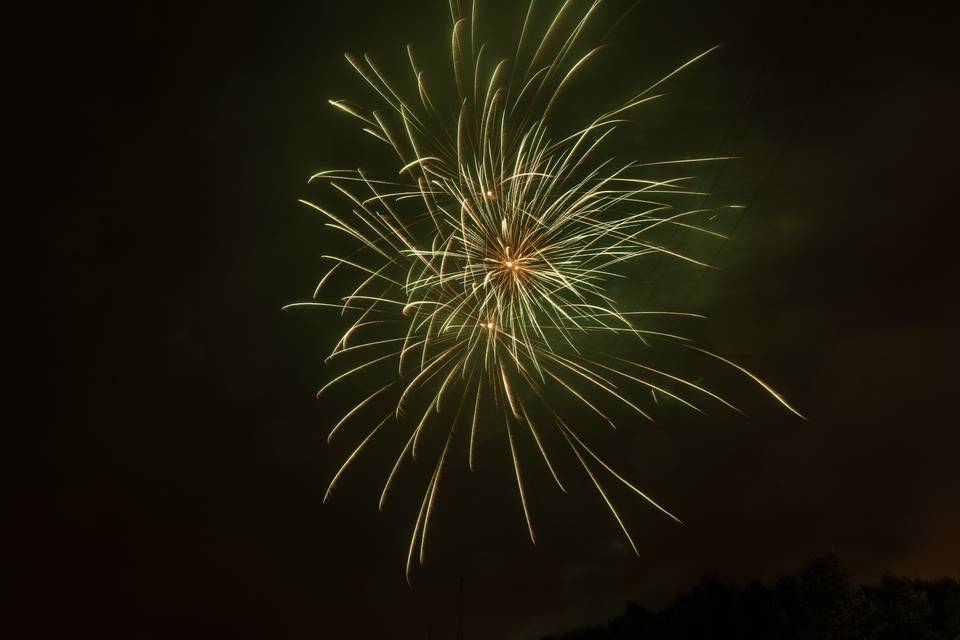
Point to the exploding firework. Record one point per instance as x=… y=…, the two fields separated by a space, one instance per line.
x=481 y=267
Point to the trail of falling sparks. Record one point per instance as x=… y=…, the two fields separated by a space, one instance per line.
x=485 y=260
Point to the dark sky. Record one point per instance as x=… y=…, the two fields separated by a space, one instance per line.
x=188 y=456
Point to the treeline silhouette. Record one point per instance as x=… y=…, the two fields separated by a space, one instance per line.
x=820 y=602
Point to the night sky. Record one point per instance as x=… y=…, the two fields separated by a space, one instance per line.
x=187 y=455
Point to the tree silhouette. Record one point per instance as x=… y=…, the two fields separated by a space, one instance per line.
x=820 y=602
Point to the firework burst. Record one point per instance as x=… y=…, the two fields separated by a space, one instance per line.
x=480 y=267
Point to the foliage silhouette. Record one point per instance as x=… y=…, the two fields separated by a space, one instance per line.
x=820 y=602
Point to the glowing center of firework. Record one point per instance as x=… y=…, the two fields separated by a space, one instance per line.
x=511 y=263
x=512 y=266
